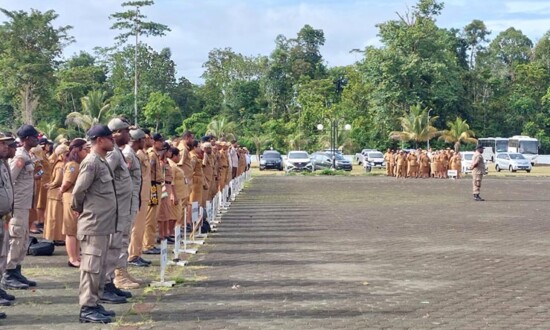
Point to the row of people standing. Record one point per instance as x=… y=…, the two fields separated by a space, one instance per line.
x=115 y=202
x=422 y=163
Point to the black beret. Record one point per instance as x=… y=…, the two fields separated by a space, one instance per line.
x=43 y=141
x=98 y=131
x=158 y=137
x=26 y=131
x=165 y=146
x=205 y=138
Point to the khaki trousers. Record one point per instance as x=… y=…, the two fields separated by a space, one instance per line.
x=126 y=235
x=476 y=183
x=19 y=237
x=150 y=234
x=4 y=247
x=92 y=269
x=138 y=228
x=117 y=248
x=53 y=226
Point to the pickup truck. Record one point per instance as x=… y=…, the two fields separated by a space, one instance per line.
x=360 y=157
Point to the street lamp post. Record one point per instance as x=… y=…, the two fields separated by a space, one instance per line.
x=334 y=138
x=428 y=146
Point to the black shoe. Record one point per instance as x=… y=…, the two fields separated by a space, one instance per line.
x=112 y=298
x=70 y=264
x=59 y=243
x=112 y=288
x=478 y=198
x=189 y=228
x=105 y=312
x=22 y=278
x=136 y=262
x=152 y=251
x=2 y=315
x=5 y=295
x=145 y=261
x=4 y=302
x=40 y=225
x=10 y=280
x=170 y=240
x=93 y=315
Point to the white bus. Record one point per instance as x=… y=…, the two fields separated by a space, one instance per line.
x=492 y=146
x=525 y=145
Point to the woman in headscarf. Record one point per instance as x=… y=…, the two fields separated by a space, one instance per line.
x=78 y=149
x=167 y=196
x=54 y=205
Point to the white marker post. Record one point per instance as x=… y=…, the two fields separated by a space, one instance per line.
x=195 y=216
x=163 y=264
x=200 y=234
x=185 y=241
x=452 y=174
x=177 y=250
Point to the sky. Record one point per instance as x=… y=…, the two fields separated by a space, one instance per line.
x=250 y=27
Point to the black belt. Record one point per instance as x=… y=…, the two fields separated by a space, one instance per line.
x=156 y=182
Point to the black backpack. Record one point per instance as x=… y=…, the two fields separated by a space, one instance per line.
x=40 y=248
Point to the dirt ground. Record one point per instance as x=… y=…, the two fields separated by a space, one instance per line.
x=341 y=252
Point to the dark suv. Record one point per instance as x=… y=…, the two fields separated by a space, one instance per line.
x=323 y=160
x=271 y=159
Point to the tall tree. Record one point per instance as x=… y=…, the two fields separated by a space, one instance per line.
x=416 y=126
x=133 y=24
x=458 y=132
x=29 y=48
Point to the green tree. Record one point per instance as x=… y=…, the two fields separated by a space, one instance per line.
x=458 y=132
x=222 y=128
x=159 y=109
x=29 y=48
x=95 y=110
x=132 y=23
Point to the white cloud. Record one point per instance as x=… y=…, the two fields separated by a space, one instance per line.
x=528 y=7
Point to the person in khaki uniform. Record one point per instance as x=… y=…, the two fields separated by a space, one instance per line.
x=184 y=164
x=412 y=165
x=241 y=153
x=157 y=179
x=217 y=168
x=78 y=150
x=95 y=202
x=6 y=207
x=117 y=259
x=208 y=171
x=180 y=188
x=53 y=225
x=401 y=165
x=22 y=175
x=477 y=167
x=388 y=156
x=424 y=165
x=139 y=143
x=229 y=174
x=224 y=164
x=42 y=165
x=198 y=176
x=167 y=197
x=455 y=163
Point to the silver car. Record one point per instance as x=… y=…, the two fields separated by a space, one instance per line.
x=512 y=161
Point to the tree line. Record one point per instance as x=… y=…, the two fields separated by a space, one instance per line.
x=424 y=81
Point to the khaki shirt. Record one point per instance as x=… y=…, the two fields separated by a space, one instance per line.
x=178 y=182
x=156 y=167
x=56 y=180
x=185 y=162
x=70 y=174
x=478 y=164
x=94 y=197
x=145 y=175
x=22 y=175
x=198 y=176
x=6 y=190
x=134 y=166
x=208 y=169
x=123 y=181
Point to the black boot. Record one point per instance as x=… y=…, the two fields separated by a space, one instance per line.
x=112 y=288
x=92 y=315
x=22 y=278
x=477 y=198
x=4 y=302
x=10 y=280
x=112 y=298
x=105 y=312
x=5 y=295
x=2 y=315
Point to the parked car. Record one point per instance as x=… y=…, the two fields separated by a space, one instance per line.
x=512 y=161
x=298 y=161
x=271 y=159
x=466 y=161
x=374 y=159
x=360 y=156
x=323 y=160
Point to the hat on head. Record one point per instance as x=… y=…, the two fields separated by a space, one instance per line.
x=137 y=134
x=117 y=124
x=43 y=141
x=158 y=137
x=6 y=138
x=479 y=146
x=26 y=131
x=98 y=131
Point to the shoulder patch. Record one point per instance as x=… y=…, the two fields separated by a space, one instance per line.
x=72 y=169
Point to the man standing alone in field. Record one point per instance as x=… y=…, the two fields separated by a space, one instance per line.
x=477 y=167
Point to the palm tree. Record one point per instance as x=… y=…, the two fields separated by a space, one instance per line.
x=95 y=106
x=51 y=130
x=221 y=128
x=259 y=141
x=297 y=140
x=343 y=140
x=458 y=132
x=416 y=126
